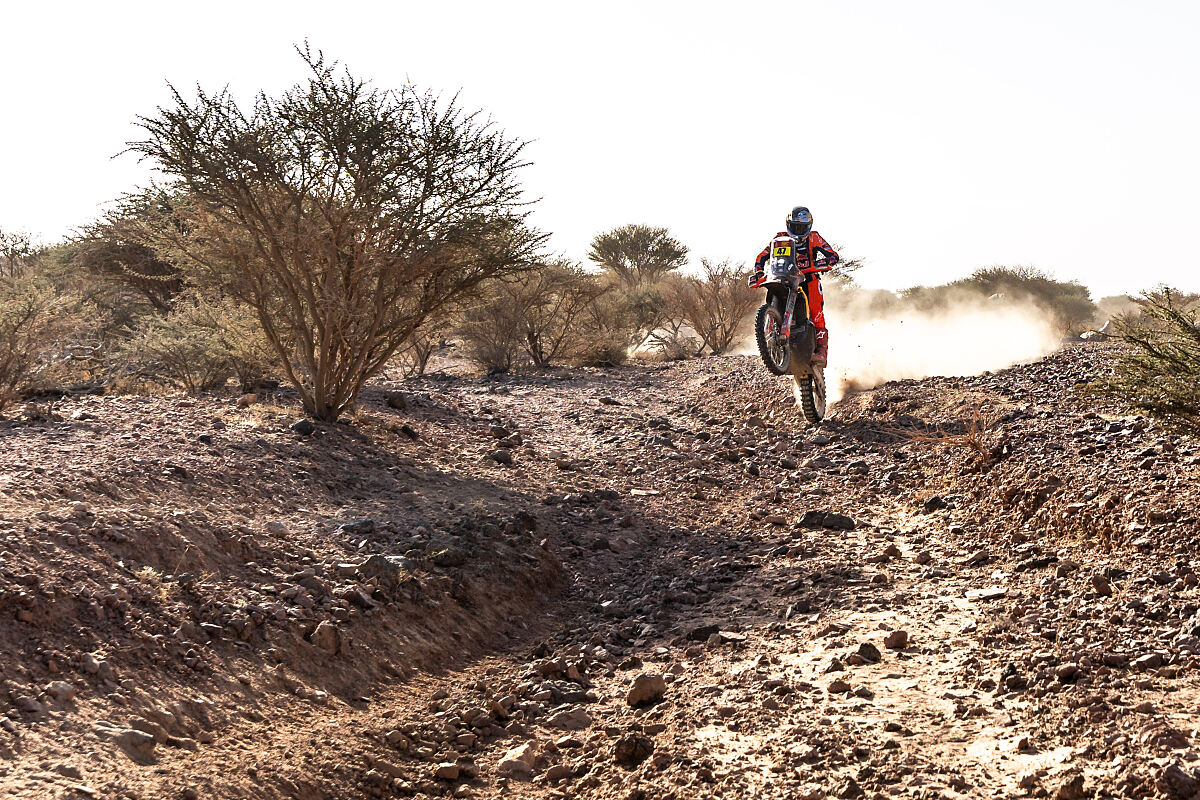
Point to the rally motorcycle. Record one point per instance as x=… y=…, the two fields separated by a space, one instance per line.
x=785 y=334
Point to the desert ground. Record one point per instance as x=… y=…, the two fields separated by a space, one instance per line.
x=638 y=583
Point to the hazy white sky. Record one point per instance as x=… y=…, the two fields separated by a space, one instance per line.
x=930 y=138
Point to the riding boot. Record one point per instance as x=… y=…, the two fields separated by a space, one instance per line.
x=820 y=357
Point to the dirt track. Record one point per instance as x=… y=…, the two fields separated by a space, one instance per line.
x=678 y=522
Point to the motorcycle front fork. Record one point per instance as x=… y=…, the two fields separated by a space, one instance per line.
x=787 y=314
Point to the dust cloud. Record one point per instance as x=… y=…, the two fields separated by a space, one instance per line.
x=964 y=336
x=876 y=337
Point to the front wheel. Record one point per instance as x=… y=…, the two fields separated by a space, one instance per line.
x=772 y=344
x=812 y=395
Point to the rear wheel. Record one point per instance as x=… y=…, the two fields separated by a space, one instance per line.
x=812 y=395
x=772 y=344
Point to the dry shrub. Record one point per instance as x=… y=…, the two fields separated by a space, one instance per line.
x=181 y=351
x=716 y=304
x=608 y=330
x=491 y=336
x=974 y=434
x=413 y=358
x=556 y=312
x=640 y=264
x=17 y=251
x=677 y=346
x=551 y=302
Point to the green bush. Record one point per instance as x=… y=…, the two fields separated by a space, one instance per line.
x=1161 y=374
x=200 y=345
x=33 y=321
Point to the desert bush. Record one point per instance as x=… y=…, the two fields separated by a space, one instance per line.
x=639 y=262
x=607 y=331
x=716 y=303
x=676 y=344
x=33 y=320
x=344 y=215
x=1113 y=306
x=551 y=303
x=112 y=308
x=541 y=317
x=240 y=333
x=1161 y=373
x=101 y=315
x=491 y=336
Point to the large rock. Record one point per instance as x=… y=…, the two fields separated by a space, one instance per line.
x=632 y=749
x=61 y=690
x=1072 y=788
x=138 y=745
x=574 y=719
x=327 y=637
x=827 y=519
x=28 y=704
x=701 y=632
x=869 y=653
x=646 y=689
x=390 y=570
x=450 y=556
x=1176 y=782
x=358 y=527
x=520 y=761
x=447 y=771
x=303 y=427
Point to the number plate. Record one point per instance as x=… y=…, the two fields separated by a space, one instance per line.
x=783 y=251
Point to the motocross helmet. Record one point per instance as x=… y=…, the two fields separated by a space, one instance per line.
x=799 y=222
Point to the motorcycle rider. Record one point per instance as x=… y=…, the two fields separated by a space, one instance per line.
x=808 y=244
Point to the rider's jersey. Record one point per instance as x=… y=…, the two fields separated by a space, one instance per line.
x=805 y=252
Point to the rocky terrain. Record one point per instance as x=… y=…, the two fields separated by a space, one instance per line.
x=640 y=583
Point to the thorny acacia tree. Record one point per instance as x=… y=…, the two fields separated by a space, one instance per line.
x=638 y=254
x=16 y=250
x=1161 y=375
x=344 y=215
x=110 y=248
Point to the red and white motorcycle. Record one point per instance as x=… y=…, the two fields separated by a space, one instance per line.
x=783 y=328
